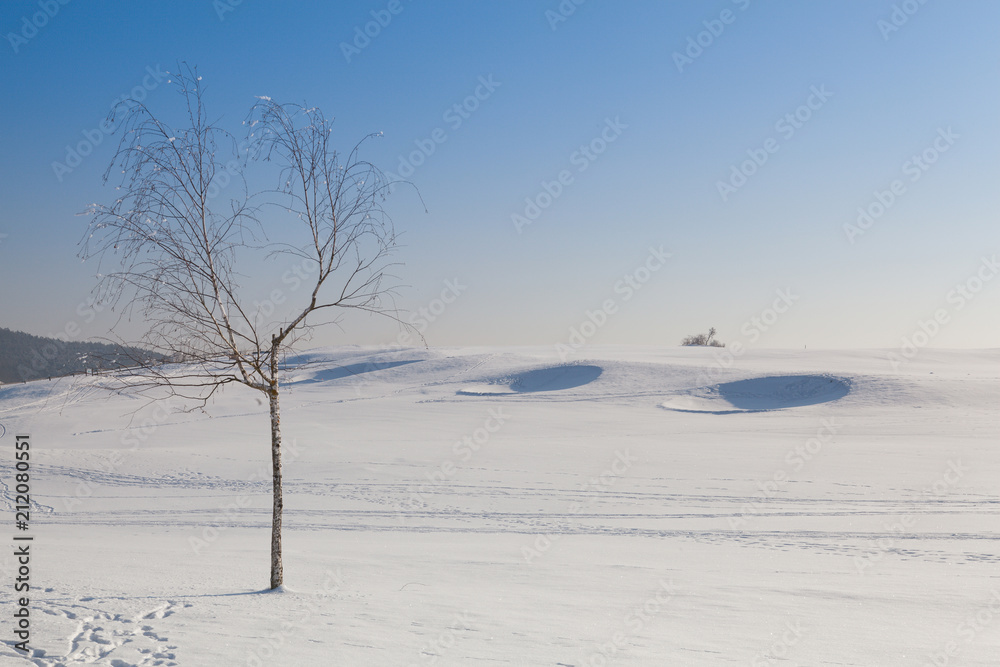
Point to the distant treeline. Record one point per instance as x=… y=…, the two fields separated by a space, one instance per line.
x=24 y=357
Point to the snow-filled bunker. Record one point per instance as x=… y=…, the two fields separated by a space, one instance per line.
x=551 y=378
x=774 y=392
x=349 y=371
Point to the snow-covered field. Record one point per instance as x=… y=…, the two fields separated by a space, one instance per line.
x=639 y=506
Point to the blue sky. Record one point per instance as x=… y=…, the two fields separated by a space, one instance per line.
x=838 y=96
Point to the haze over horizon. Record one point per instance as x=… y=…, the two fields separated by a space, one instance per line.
x=641 y=172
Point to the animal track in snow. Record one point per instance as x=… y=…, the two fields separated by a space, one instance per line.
x=111 y=640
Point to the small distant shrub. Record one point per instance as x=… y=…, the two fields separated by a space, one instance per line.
x=703 y=339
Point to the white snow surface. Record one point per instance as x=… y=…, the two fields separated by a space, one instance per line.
x=499 y=506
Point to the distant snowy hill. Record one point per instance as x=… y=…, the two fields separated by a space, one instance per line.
x=27 y=357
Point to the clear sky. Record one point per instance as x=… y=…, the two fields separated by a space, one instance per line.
x=741 y=137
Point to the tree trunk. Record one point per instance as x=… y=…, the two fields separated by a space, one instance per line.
x=277 y=572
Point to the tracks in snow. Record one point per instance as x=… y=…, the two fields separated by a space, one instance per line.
x=107 y=639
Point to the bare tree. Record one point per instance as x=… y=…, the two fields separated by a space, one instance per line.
x=176 y=246
x=703 y=339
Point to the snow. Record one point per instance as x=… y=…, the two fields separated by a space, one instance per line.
x=500 y=506
x=760 y=394
x=548 y=378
